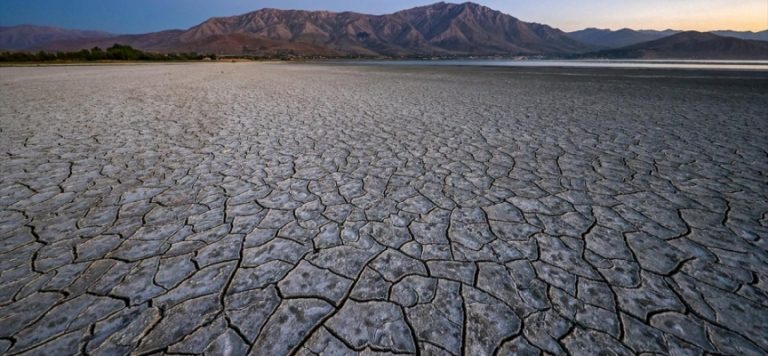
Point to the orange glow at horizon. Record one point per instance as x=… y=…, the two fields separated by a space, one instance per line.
x=697 y=15
x=737 y=18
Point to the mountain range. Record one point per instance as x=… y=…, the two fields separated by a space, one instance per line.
x=609 y=39
x=689 y=45
x=29 y=36
x=441 y=29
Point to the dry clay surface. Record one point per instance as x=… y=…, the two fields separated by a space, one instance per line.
x=274 y=209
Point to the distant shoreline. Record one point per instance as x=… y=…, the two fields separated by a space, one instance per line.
x=122 y=63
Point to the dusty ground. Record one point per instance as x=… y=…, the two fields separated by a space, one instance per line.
x=286 y=208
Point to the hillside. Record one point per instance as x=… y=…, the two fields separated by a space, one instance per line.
x=744 y=35
x=689 y=45
x=438 y=29
x=616 y=39
x=29 y=36
x=609 y=39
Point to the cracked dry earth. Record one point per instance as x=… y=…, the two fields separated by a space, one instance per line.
x=279 y=209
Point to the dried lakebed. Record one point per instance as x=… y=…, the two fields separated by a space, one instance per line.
x=292 y=208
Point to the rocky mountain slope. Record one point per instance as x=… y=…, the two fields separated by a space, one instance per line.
x=438 y=29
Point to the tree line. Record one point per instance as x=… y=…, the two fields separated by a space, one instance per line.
x=117 y=52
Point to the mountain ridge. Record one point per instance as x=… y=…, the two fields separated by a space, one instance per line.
x=689 y=45
x=744 y=35
x=29 y=36
x=611 y=39
x=441 y=29
x=608 y=39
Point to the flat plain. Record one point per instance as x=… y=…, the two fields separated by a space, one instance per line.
x=278 y=209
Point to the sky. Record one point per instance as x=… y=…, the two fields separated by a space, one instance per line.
x=140 y=16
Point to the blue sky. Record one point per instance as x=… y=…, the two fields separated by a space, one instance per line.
x=138 y=16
